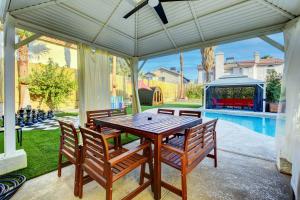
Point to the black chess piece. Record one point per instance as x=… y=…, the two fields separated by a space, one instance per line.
x=21 y=121
x=28 y=117
x=43 y=115
x=50 y=114
x=34 y=116
x=39 y=116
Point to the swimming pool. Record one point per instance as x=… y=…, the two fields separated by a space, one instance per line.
x=263 y=125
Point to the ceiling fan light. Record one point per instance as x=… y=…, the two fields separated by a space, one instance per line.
x=153 y=3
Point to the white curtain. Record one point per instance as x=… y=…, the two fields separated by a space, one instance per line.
x=93 y=80
x=133 y=65
x=288 y=133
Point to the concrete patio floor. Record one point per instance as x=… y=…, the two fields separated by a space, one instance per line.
x=246 y=170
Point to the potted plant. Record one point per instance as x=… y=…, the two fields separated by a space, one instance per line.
x=273 y=90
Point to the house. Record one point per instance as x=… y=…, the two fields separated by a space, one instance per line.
x=164 y=74
x=257 y=68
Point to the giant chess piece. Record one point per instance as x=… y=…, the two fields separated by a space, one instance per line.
x=43 y=115
x=28 y=117
x=21 y=121
x=50 y=114
x=34 y=117
x=39 y=115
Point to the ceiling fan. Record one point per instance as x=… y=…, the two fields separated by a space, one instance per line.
x=156 y=4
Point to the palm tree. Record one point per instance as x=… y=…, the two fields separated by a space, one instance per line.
x=181 y=93
x=208 y=60
x=23 y=62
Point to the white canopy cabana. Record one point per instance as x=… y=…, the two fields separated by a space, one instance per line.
x=234 y=81
x=100 y=24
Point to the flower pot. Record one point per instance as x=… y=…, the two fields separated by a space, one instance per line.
x=273 y=107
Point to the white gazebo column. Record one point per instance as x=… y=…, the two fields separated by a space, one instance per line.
x=264 y=98
x=133 y=64
x=12 y=159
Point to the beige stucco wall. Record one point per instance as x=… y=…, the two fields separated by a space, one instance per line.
x=57 y=53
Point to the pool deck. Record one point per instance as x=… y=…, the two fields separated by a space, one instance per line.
x=246 y=170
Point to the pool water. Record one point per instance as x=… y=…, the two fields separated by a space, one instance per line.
x=263 y=125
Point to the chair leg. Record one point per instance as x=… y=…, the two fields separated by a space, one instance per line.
x=59 y=163
x=142 y=174
x=216 y=157
x=21 y=137
x=109 y=190
x=183 y=186
x=76 y=181
x=80 y=183
x=18 y=136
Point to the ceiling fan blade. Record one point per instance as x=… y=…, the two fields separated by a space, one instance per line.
x=161 y=13
x=136 y=9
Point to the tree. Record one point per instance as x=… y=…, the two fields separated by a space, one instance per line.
x=181 y=93
x=273 y=88
x=208 y=60
x=51 y=84
x=23 y=62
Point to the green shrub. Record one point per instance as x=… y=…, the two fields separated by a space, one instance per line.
x=194 y=91
x=51 y=84
x=273 y=87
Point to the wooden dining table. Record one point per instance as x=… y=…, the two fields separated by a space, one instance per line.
x=151 y=126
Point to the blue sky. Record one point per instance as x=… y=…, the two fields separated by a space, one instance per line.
x=241 y=50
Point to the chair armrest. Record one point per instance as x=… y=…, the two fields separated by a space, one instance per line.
x=127 y=154
x=173 y=149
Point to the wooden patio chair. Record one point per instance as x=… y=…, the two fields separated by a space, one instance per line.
x=166 y=111
x=185 y=153
x=70 y=149
x=189 y=113
x=98 y=114
x=119 y=112
x=107 y=166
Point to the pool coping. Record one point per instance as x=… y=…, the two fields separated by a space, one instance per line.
x=241 y=113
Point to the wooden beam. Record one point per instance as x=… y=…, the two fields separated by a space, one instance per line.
x=27 y=40
x=272 y=42
x=142 y=65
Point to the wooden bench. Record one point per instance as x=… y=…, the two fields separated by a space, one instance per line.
x=184 y=153
x=107 y=166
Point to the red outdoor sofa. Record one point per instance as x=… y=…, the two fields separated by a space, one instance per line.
x=232 y=102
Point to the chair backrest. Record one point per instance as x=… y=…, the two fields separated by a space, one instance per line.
x=165 y=111
x=118 y=112
x=95 y=153
x=69 y=140
x=96 y=114
x=200 y=137
x=191 y=113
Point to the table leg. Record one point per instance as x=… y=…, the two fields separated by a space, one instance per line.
x=157 y=168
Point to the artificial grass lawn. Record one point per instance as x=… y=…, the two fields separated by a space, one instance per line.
x=42 y=146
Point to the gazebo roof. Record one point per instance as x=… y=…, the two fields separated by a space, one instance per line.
x=192 y=24
x=234 y=80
